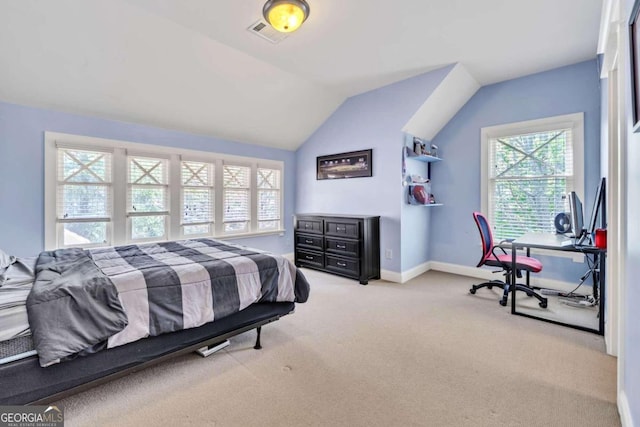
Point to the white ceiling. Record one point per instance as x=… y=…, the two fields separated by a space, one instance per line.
x=191 y=65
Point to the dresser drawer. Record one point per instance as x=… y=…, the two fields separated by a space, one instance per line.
x=310 y=258
x=309 y=225
x=346 y=266
x=349 y=248
x=342 y=228
x=309 y=241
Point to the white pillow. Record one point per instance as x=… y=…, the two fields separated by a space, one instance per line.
x=5 y=261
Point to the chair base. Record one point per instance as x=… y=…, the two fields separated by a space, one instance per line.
x=508 y=288
x=488 y=285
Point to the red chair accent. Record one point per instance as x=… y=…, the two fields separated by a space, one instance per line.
x=504 y=261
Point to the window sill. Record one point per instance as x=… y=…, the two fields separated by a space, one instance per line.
x=247 y=235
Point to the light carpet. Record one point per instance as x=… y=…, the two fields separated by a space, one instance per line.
x=423 y=353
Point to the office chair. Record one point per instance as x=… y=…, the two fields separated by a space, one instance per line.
x=504 y=261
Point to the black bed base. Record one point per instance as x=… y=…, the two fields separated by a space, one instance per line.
x=25 y=382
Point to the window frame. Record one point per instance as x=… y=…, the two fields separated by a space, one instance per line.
x=119 y=228
x=574 y=121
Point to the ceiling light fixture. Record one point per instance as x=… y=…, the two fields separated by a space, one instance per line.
x=286 y=15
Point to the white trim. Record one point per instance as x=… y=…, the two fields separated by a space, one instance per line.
x=626 y=420
x=151 y=150
x=486 y=274
x=391 y=276
x=574 y=121
x=405 y=276
x=121 y=223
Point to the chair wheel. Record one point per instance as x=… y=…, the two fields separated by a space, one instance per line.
x=503 y=303
x=472 y=291
x=489 y=286
x=543 y=304
x=529 y=294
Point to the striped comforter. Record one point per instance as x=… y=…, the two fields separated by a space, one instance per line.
x=163 y=287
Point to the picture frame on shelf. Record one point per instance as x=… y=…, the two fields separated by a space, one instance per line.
x=353 y=164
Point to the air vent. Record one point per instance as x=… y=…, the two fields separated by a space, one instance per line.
x=261 y=29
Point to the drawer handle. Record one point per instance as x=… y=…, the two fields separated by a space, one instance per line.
x=340 y=229
x=309 y=257
x=308 y=241
x=307 y=225
x=341 y=246
x=341 y=264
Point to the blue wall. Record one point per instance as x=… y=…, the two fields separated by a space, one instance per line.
x=456 y=181
x=370 y=120
x=631 y=380
x=22 y=169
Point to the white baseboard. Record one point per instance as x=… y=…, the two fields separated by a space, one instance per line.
x=405 y=276
x=486 y=274
x=625 y=412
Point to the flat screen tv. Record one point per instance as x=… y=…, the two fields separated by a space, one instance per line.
x=577 y=218
x=599 y=209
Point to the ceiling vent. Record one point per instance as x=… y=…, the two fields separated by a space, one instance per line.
x=263 y=30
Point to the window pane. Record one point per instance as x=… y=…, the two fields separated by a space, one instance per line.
x=84 y=166
x=144 y=170
x=268 y=205
x=236 y=227
x=147 y=227
x=197 y=174
x=197 y=229
x=531 y=205
x=236 y=176
x=84 y=233
x=148 y=199
x=84 y=201
x=236 y=205
x=198 y=205
x=268 y=225
x=268 y=178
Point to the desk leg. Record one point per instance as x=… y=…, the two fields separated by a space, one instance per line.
x=512 y=285
x=601 y=287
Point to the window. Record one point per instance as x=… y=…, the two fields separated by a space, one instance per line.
x=113 y=193
x=528 y=169
x=268 y=199
x=147 y=195
x=197 y=198
x=83 y=197
x=237 y=194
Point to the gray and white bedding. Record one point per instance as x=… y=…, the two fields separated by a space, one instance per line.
x=16 y=281
x=83 y=301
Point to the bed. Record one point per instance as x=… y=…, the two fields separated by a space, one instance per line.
x=121 y=309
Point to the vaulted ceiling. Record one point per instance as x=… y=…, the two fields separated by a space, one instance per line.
x=191 y=64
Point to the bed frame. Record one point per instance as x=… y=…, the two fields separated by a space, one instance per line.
x=25 y=382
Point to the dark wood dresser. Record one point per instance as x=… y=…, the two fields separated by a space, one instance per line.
x=340 y=244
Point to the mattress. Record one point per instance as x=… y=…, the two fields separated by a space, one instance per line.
x=16 y=285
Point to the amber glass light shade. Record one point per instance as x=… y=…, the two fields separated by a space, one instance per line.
x=285 y=15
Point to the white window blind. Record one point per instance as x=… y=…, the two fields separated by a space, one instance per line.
x=147 y=198
x=529 y=177
x=104 y=192
x=197 y=197
x=268 y=186
x=84 y=200
x=236 y=198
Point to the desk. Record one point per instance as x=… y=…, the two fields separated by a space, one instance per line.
x=554 y=242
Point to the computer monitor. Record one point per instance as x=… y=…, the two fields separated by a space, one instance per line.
x=577 y=219
x=599 y=209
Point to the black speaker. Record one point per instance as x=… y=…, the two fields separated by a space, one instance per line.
x=562 y=223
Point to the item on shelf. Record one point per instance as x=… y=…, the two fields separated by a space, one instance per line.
x=434 y=150
x=420 y=194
